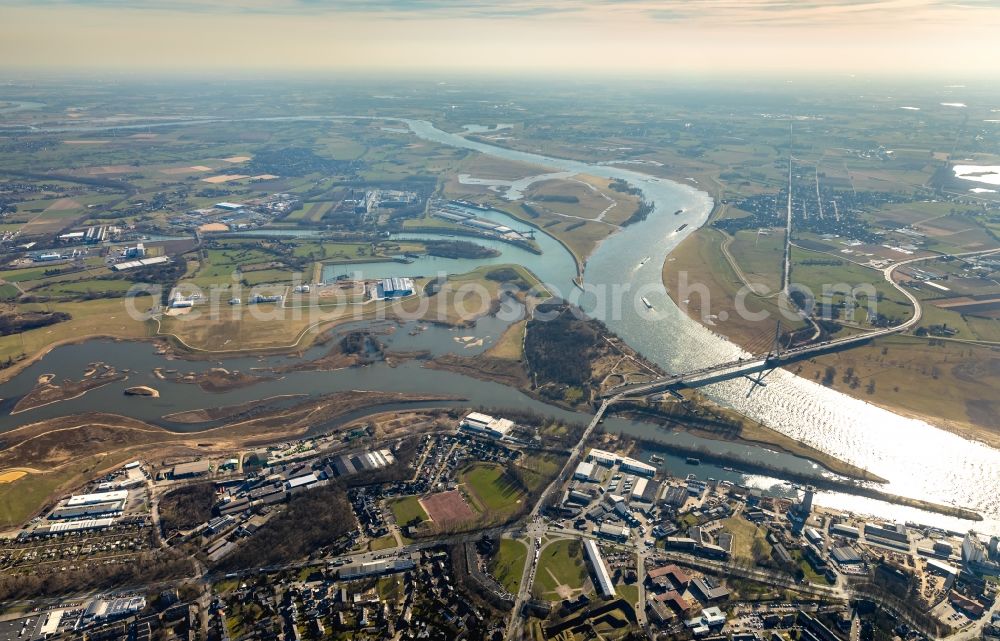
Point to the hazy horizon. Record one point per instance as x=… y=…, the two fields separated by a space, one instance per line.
x=906 y=38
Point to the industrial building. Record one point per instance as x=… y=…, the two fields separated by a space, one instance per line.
x=584 y=471
x=675 y=497
x=348 y=464
x=614 y=532
x=51 y=625
x=805 y=506
x=75 y=526
x=486 y=425
x=630 y=465
x=892 y=532
x=975 y=554
x=600 y=570
x=139 y=251
x=944 y=548
x=636 y=467
x=97 y=497
x=601 y=457
x=106 y=610
x=301 y=482
x=219 y=523
x=645 y=491
x=395 y=287
x=845 y=556
x=942 y=568
x=188 y=470
x=845 y=531
x=377 y=568
x=90 y=509
x=142 y=262
x=96 y=234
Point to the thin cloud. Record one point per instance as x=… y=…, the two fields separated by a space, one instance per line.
x=815 y=13
x=388 y=8
x=732 y=12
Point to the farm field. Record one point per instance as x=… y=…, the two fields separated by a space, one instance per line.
x=831 y=279
x=223 y=267
x=760 y=256
x=698 y=272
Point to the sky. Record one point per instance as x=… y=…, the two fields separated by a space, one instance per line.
x=862 y=37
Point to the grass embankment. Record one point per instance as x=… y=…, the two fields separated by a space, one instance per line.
x=508 y=564
x=510 y=346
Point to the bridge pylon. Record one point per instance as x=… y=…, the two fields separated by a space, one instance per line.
x=772 y=354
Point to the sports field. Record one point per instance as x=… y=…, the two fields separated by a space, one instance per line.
x=447 y=508
x=489 y=487
x=12 y=475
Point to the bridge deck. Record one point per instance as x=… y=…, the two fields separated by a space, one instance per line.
x=744 y=366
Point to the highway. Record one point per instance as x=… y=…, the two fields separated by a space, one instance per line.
x=786 y=263
x=536 y=527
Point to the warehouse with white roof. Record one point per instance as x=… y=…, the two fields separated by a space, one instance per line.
x=601 y=577
x=584 y=471
x=487 y=425
x=97 y=497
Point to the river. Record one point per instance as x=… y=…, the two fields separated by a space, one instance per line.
x=918 y=459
